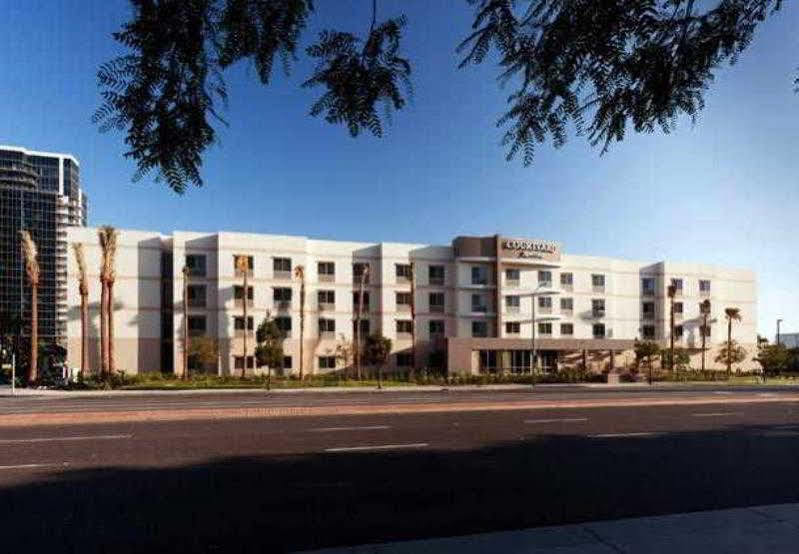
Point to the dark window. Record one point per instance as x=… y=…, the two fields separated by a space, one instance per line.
x=282 y=294
x=326 y=296
x=567 y=304
x=195 y=263
x=403 y=299
x=479 y=303
x=545 y=328
x=358 y=269
x=238 y=323
x=677 y=284
x=436 y=326
x=435 y=274
x=544 y=301
x=355 y=297
x=566 y=279
x=545 y=277
x=196 y=295
x=512 y=274
x=704 y=286
x=678 y=308
x=403 y=271
x=238 y=362
x=238 y=292
x=648 y=309
x=513 y=327
x=479 y=328
x=196 y=325
x=436 y=301
x=678 y=331
x=281 y=265
x=404 y=326
x=599 y=330
x=327 y=362
x=597 y=280
x=566 y=329
x=286 y=362
x=479 y=275
x=648 y=286
x=326 y=268
x=283 y=323
x=327 y=325
x=648 y=332
x=364 y=331
x=598 y=307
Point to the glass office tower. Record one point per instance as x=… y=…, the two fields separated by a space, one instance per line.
x=39 y=192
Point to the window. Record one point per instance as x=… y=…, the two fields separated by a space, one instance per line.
x=705 y=307
x=436 y=300
x=648 y=286
x=566 y=329
x=704 y=286
x=238 y=323
x=404 y=326
x=326 y=270
x=513 y=303
x=238 y=362
x=598 y=307
x=678 y=332
x=435 y=274
x=326 y=297
x=567 y=279
x=545 y=278
x=677 y=284
x=284 y=324
x=678 y=309
x=365 y=300
x=544 y=328
x=196 y=296
x=599 y=330
x=479 y=275
x=404 y=359
x=545 y=302
x=566 y=304
x=598 y=281
x=648 y=309
x=479 y=328
x=364 y=327
x=648 y=331
x=238 y=293
x=281 y=294
x=403 y=272
x=358 y=270
x=513 y=327
x=287 y=362
x=195 y=263
x=281 y=265
x=436 y=326
x=403 y=299
x=327 y=326
x=250 y=264
x=327 y=362
x=512 y=275
x=196 y=325
x=479 y=303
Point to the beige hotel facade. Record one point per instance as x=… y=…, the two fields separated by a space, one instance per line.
x=473 y=301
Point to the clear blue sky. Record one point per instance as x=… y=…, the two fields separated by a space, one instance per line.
x=724 y=191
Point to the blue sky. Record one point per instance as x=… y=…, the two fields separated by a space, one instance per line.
x=723 y=191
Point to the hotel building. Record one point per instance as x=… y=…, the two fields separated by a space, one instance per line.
x=473 y=302
x=39 y=192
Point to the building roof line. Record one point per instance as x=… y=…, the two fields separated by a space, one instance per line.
x=39 y=153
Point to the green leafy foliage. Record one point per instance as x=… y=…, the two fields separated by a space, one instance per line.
x=377 y=350
x=681 y=358
x=646 y=350
x=730 y=353
x=775 y=359
x=603 y=66
x=269 y=338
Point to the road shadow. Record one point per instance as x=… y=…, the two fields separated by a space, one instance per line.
x=284 y=503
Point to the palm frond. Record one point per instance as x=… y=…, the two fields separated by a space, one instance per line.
x=30 y=253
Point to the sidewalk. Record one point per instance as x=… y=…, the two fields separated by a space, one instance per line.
x=766 y=529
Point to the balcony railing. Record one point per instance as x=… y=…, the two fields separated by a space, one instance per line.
x=436 y=308
x=283 y=305
x=597 y=313
x=326 y=278
x=281 y=275
x=238 y=302
x=648 y=315
x=480 y=308
x=598 y=288
x=512 y=309
x=197 y=302
x=514 y=283
x=326 y=306
x=240 y=333
x=437 y=281
x=403 y=307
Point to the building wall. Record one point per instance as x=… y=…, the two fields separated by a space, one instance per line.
x=143 y=303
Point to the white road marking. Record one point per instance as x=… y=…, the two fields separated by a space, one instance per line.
x=34 y=466
x=559 y=420
x=622 y=435
x=722 y=392
x=377 y=447
x=65 y=439
x=767 y=394
x=716 y=414
x=334 y=429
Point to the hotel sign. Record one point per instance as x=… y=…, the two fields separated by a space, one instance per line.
x=530 y=248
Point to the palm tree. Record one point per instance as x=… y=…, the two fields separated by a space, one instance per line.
x=299 y=273
x=704 y=310
x=32 y=272
x=357 y=331
x=243 y=267
x=108 y=244
x=186 y=345
x=731 y=314
x=83 y=289
x=671 y=291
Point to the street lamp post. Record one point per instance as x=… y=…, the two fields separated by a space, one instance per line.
x=778 y=331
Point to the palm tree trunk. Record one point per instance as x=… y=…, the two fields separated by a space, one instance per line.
x=103 y=330
x=186 y=323
x=302 y=326
x=84 y=324
x=704 y=339
x=110 y=312
x=246 y=329
x=33 y=366
x=413 y=321
x=671 y=335
x=729 y=347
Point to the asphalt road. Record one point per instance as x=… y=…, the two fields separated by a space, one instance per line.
x=277 y=484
